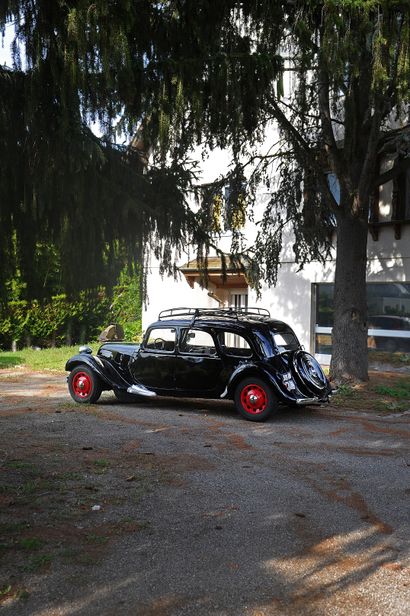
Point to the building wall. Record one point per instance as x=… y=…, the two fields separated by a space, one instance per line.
x=291 y=299
x=165 y=292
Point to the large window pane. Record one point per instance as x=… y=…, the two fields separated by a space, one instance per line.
x=388 y=317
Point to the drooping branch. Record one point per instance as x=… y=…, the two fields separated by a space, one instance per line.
x=331 y=146
x=308 y=154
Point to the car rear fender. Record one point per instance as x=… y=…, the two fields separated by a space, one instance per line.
x=248 y=370
x=293 y=396
x=104 y=370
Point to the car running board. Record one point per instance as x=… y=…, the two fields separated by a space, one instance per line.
x=139 y=390
x=304 y=401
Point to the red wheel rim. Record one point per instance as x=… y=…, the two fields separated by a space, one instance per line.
x=254 y=399
x=82 y=385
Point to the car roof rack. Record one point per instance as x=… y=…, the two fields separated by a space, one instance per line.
x=230 y=313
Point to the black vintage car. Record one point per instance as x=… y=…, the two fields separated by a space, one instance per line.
x=240 y=354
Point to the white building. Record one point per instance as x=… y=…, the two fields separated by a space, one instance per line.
x=303 y=299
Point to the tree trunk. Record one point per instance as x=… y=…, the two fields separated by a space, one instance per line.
x=349 y=337
x=83 y=332
x=68 y=333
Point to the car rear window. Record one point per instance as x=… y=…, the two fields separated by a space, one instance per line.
x=285 y=341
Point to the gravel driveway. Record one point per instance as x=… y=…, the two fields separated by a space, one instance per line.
x=181 y=507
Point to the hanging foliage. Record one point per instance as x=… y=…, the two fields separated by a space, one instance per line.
x=130 y=66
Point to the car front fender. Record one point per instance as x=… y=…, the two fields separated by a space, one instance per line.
x=104 y=370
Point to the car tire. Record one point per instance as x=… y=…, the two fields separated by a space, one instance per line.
x=124 y=396
x=84 y=385
x=255 y=399
x=309 y=374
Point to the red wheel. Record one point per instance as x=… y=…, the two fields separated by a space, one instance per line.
x=84 y=385
x=254 y=399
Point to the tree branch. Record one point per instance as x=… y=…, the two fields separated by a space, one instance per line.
x=301 y=144
x=326 y=121
x=394 y=70
x=365 y=182
x=309 y=115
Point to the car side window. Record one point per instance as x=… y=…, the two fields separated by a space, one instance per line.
x=234 y=344
x=197 y=342
x=161 y=339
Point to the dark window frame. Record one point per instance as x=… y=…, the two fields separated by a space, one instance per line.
x=400 y=203
x=399 y=310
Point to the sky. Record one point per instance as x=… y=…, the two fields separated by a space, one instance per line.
x=5 y=55
x=6 y=59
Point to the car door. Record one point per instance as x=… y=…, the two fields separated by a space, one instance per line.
x=155 y=362
x=235 y=350
x=200 y=370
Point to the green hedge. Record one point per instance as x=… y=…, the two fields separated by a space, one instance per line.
x=61 y=321
x=54 y=322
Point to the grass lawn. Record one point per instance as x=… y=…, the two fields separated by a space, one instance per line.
x=386 y=392
x=46 y=359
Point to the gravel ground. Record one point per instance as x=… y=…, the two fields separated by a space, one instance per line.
x=180 y=507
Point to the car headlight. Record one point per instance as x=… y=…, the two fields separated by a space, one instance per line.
x=85 y=349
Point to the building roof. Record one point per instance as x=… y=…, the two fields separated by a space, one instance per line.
x=214 y=273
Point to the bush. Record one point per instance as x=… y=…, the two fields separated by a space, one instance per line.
x=56 y=321
x=60 y=320
x=126 y=304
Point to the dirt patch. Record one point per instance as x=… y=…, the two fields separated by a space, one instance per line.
x=131 y=446
x=234 y=440
x=184 y=463
x=112 y=509
x=66 y=506
x=372 y=427
x=374 y=453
